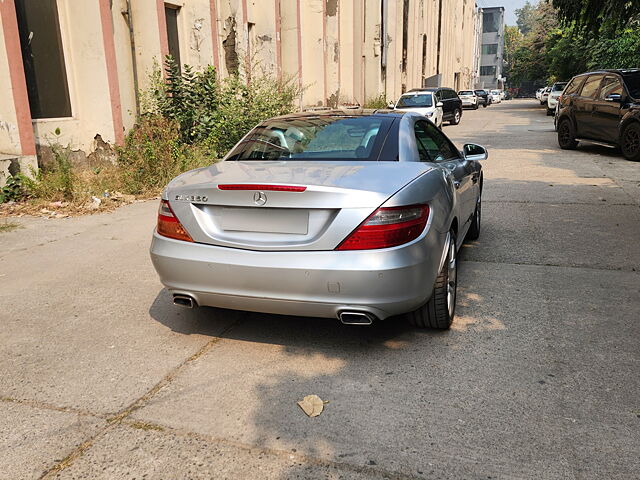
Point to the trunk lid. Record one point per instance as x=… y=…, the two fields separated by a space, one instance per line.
x=290 y=205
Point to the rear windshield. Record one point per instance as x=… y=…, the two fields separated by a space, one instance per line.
x=632 y=80
x=315 y=138
x=481 y=92
x=558 y=87
x=465 y=92
x=419 y=100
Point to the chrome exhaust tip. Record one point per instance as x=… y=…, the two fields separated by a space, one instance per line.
x=356 y=318
x=184 y=301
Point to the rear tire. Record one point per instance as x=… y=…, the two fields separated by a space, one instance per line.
x=566 y=135
x=475 y=107
x=550 y=112
x=630 y=142
x=457 y=115
x=438 y=312
x=484 y=105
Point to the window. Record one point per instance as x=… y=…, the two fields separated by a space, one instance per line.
x=590 y=87
x=490 y=49
x=418 y=100
x=488 y=71
x=312 y=138
x=43 y=58
x=424 y=55
x=574 y=86
x=632 y=81
x=490 y=22
x=171 y=14
x=432 y=144
x=610 y=86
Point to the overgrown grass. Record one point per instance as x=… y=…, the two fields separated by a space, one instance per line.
x=376 y=102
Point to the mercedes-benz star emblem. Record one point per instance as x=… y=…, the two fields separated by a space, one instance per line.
x=259 y=198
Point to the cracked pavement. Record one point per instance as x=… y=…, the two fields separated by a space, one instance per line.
x=102 y=377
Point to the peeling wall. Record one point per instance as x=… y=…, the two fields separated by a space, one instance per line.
x=341 y=52
x=9 y=134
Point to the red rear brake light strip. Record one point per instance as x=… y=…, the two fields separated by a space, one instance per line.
x=257 y=186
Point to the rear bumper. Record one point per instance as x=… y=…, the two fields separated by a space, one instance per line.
x=552 y=102
x=317 y=284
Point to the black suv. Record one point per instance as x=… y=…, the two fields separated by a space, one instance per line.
x=483 y=98
x=451 y=103
x=601 y=107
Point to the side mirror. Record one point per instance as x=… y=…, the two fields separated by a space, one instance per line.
x=391 y=105
x=614 y=97
x=475 y=152
x=439 y=104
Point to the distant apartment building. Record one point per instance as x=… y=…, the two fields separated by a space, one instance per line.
x=77 y=67
x=491 y=48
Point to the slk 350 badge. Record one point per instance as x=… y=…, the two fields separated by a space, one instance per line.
x=192 y=198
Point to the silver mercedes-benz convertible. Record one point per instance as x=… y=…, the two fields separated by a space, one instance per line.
x=350 y=214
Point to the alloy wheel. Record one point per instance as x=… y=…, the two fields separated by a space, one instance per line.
x=565 y=133
x=452 y=274
x=631 y=141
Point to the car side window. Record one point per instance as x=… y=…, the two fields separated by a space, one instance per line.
x=432 y=145
x=590 y=87
x=572 y=87
x=610 y=86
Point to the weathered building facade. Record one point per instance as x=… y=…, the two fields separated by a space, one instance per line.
x=492 y=48
x=71 y=70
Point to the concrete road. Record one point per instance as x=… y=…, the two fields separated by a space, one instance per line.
x=101 y=377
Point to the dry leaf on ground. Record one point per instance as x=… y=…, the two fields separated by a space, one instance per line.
x=312 y=405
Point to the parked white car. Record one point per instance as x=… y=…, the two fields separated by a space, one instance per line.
x=544 y=95
x=539 y=93
x=496 y=96
x=469 y=99
x=423 y=102
x=554 y=95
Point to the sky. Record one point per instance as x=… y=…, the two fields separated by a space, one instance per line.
x=509 y=7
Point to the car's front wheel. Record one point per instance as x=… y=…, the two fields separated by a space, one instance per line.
x=630 y=142
x=457 y=115
x=566 y=135
x=438 y=312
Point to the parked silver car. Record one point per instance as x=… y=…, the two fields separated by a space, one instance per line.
x=356 y=215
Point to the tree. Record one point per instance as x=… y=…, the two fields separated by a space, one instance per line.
x=597 y=16
x=566 y=54
x=512 y=41
x=526 y=17
x=621 y=51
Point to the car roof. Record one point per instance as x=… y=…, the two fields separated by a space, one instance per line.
x=619 y=71
x=430 y=89
x=417 y=92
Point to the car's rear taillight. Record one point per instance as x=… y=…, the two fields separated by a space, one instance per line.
x=169 y=225
x=388 y=227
